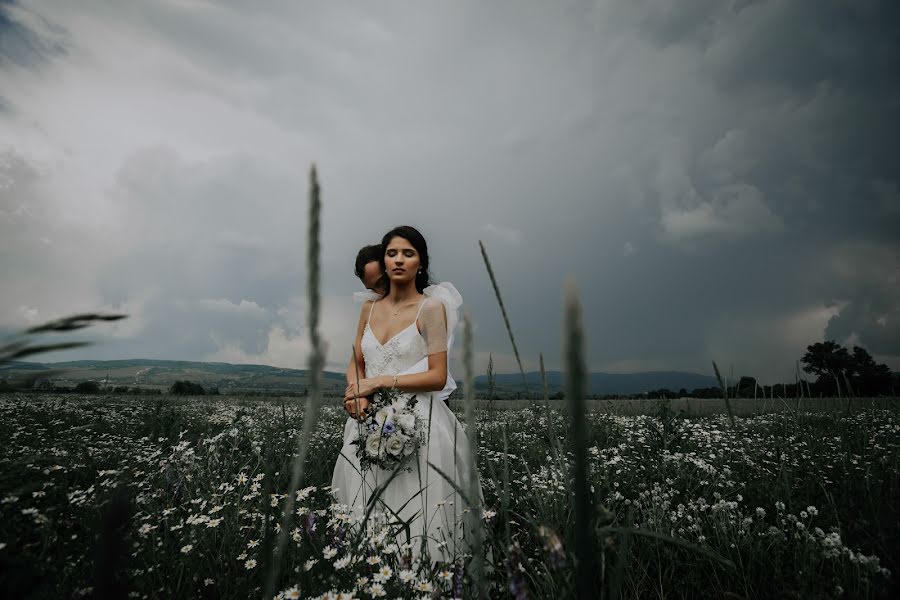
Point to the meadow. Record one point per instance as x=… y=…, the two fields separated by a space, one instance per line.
x=182 y=497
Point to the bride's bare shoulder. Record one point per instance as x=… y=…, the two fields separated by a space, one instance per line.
x=365 y=310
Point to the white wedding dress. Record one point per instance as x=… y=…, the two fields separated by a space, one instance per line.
x=436 y=512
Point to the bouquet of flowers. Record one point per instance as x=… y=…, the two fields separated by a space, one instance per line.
x=391 y=431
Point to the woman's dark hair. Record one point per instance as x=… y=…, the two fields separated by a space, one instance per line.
x=366 y=255
x=411 y=235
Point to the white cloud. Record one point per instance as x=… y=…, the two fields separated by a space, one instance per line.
x=243 y=309
x=734 y=212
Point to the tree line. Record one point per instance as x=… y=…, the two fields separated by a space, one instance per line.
x=831 y=370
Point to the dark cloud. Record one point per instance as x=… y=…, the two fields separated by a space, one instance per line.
x=25 y=44
x=719 y=177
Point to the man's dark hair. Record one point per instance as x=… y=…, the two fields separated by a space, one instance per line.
x=366 y=255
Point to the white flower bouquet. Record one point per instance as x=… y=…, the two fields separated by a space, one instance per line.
x=391 y=431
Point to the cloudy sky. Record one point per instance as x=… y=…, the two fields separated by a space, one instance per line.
x=720 y=178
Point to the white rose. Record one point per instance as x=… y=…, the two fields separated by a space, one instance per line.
x=386 y=414
x=374 y=444
x=407 y=422
x=409 y=448
x=394 y=444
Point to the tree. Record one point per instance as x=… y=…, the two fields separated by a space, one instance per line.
x=868 y=377
x=186 y=388
x=746 y=387
x=827 y=361
x=87 y=387
x=835 y=368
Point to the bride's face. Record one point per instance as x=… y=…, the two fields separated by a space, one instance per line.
x=401 y=260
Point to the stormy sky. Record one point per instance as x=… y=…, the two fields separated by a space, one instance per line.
x=720 y=178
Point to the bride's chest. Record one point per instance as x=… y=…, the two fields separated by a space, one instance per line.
x=407 y=344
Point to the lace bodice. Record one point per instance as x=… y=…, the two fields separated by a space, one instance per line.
x=407 y=352
x=397 y=355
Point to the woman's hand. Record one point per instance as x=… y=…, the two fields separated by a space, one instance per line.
x=356 y=408
x=366 y=387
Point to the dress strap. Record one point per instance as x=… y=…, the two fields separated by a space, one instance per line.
x=370 y=311
x=421 y=304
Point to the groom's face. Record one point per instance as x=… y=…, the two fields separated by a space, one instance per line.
x=373 y=278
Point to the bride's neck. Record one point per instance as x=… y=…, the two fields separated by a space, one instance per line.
x=402 y=293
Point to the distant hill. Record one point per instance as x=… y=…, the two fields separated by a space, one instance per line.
x=605 y=383
x=153 y=373
x=150 y=373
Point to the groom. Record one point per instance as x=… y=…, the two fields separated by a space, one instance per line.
x=368 y=269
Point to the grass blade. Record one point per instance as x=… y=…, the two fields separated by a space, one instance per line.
x=671 y=540
x=316 y=364
x=724 y=395
x=475 y=508
x=512 y=339
x=573 y=349
x=73 y=322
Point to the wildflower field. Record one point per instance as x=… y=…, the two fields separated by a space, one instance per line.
x=180 y=498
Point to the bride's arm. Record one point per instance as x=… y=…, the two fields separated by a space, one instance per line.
x=432 y=380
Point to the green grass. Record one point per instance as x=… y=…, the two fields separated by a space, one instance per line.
x=670 y=512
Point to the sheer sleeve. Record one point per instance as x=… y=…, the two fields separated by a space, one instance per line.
x=433 y=325
x=447 y=293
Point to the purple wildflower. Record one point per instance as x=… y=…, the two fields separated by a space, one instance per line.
x=310 y=524
x=515 y=580
x=458 y=574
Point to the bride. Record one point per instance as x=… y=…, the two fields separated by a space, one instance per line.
x=401 y=344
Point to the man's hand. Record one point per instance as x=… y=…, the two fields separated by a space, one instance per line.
x=356 y=407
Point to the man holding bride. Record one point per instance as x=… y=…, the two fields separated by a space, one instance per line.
x=404 y=333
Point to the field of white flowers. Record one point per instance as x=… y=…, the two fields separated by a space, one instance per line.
x=177 y=498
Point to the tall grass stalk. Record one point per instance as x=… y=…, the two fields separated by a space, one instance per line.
x=316 y=363
x=551 y=428
x=573 y=349
x=724 y=394
x=475 y=508
x=20 y=348
x=512 y=339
